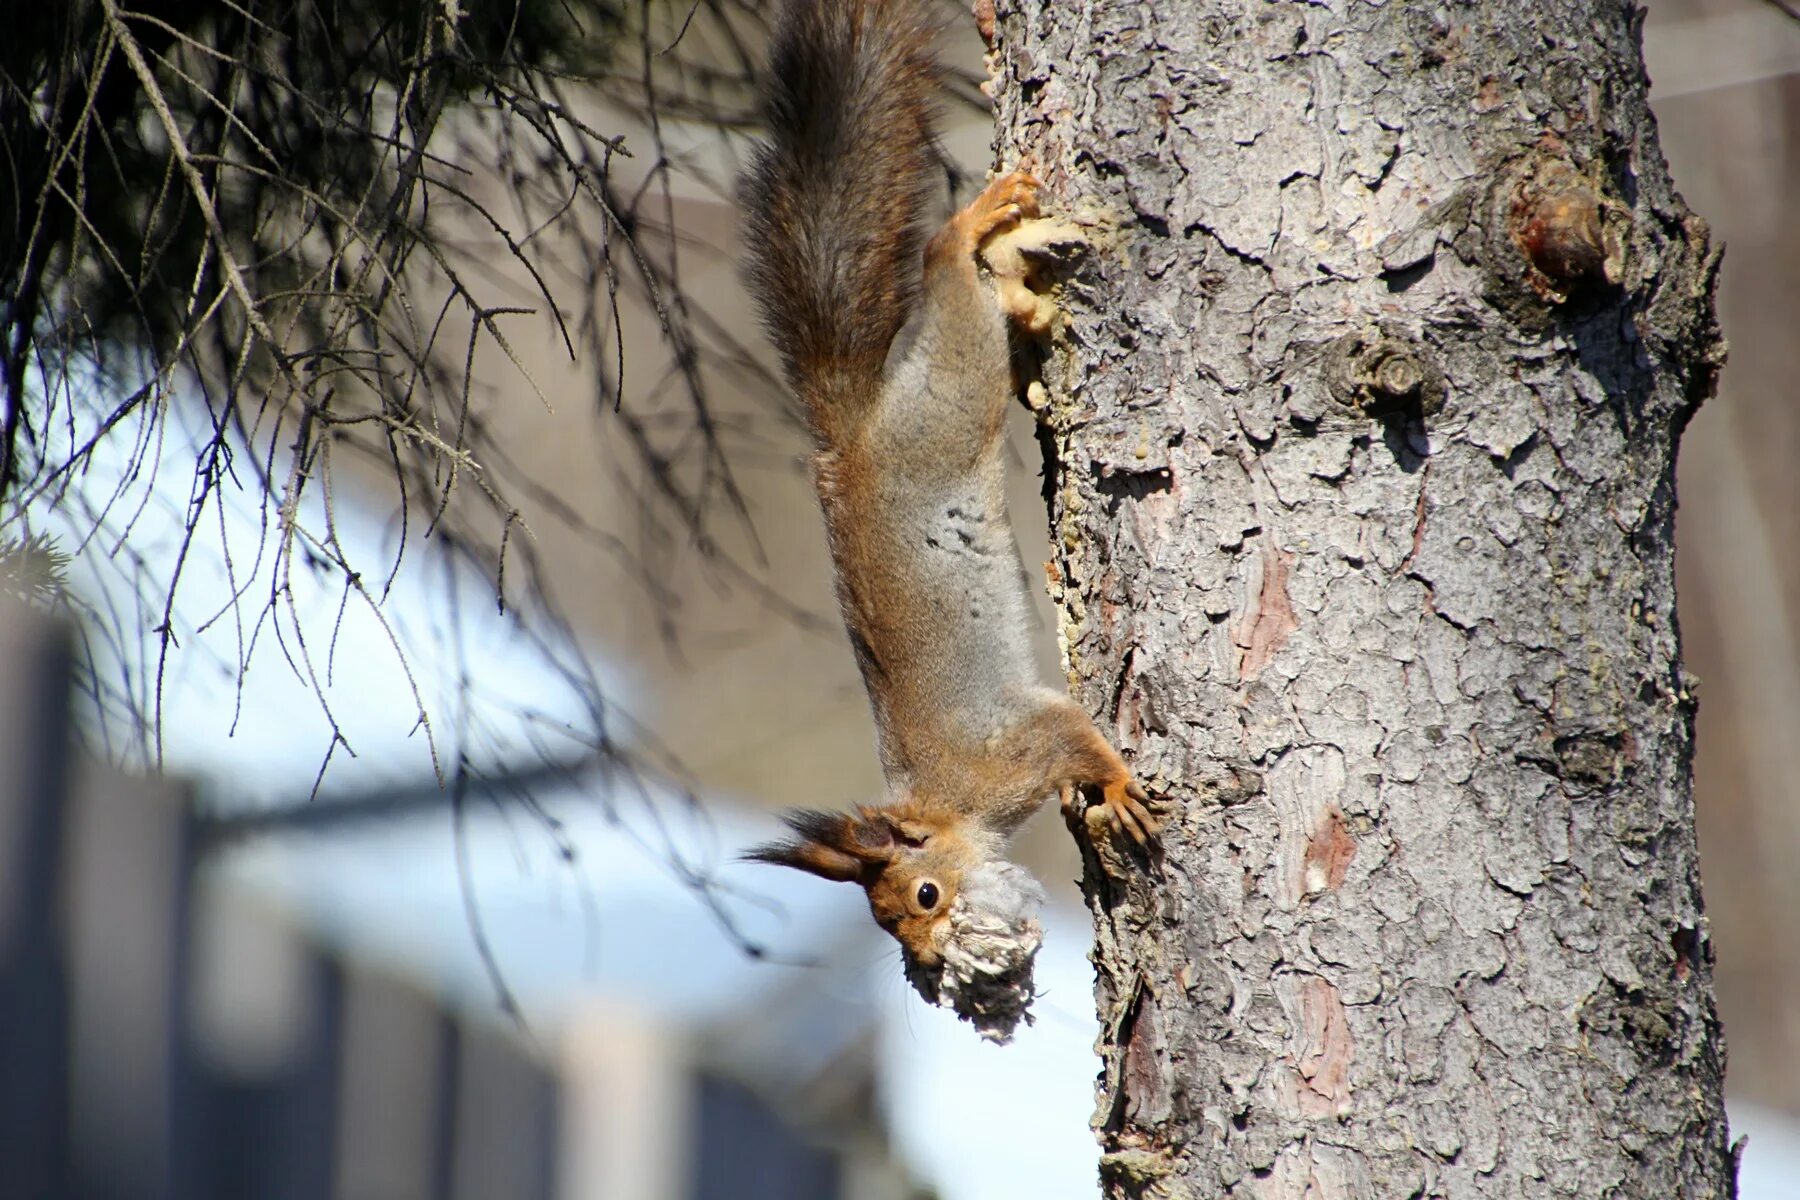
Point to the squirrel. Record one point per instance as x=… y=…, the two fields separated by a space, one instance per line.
x=897 y=347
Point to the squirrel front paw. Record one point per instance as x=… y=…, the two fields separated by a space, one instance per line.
x=1125 y=807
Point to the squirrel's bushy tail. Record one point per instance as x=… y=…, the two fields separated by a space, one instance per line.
x=835 y=199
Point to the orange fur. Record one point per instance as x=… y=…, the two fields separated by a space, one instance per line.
x=901 y=359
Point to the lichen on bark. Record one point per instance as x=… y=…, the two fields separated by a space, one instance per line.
x=1362 y=438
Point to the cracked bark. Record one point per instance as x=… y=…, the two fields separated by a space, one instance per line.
x=1362 y=437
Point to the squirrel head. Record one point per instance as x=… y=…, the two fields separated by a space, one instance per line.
x=909 y=864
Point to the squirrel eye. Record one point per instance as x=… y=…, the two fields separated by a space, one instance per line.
x=928 y=895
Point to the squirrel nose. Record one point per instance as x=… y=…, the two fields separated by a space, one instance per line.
x=927 y=956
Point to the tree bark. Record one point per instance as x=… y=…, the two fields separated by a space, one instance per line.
x=1361 y=443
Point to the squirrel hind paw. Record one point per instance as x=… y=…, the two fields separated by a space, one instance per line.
x=1002 y=205
x=1010 y=255
x=1036 y=238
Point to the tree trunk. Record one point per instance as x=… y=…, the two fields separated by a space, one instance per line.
x=1362 y=444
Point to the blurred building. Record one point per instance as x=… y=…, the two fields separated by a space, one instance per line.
x=170 y=1030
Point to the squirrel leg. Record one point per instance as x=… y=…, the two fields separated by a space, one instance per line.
x=1087 y=759
x=1002 y=227
x=1002 y=204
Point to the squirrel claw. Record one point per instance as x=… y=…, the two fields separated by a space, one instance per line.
x=1124 y=808
x=1002 y=204
x=1128 y=808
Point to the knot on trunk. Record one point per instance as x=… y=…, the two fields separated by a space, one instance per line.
x=1384 y=372
x=1555 y=235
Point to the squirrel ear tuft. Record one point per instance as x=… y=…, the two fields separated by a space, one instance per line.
x=831 y=845
x=811 y=857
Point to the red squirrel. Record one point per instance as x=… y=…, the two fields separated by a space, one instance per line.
x=897 y=346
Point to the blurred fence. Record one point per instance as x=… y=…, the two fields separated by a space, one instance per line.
x=166 y=1036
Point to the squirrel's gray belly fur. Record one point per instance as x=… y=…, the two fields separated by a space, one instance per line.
x=961 y=554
